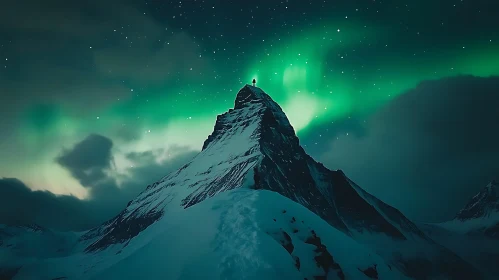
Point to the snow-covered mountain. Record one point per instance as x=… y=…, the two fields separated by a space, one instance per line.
x=21 y=245
x=248 y=206
x=484 y=207
x=474 y=233
x=237 y=234
x=480 y=216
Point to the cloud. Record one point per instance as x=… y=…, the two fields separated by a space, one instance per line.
x=141 y=157
x=146 y=166
x=20 y=205
x=88 y=160
x=84 y=57
x=68 y=63
x=430 y=149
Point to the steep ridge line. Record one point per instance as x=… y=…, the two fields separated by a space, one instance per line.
x=255 y=146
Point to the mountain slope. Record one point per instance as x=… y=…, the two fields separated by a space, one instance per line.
x=484 y=205
x=480 y=217
x=474 y=233
x=22 y=245
x=238 y=234
x=256 y=145
x=253 y=147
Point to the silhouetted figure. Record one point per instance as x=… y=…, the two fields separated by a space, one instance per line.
x=254 y=82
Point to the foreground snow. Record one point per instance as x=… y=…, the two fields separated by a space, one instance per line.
x=239 y=234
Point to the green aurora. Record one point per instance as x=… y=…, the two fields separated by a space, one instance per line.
x=318 y=74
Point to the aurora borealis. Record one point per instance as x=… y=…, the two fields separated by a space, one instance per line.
x=152 y=75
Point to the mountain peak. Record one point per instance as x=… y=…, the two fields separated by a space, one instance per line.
x=493 y=191
x=493 y=185
x=482 y=204
x=252 y=106
x=254 y=147
x=251 y=94
x=248 y=95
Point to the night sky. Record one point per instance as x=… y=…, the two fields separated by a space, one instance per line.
x=101 y=98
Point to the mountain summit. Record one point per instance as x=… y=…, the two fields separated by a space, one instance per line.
x=254 y=180
x=255 y=146
x=483 y=204
x=480 y=217
x=474 y=233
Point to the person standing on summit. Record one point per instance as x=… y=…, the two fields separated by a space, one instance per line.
x=254 y=82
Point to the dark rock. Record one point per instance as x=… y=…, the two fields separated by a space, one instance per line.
x=8 y=273
x=287 y=243
x=492 y=231
x=371 y=272
x=123 y=229
x=486 y=201
x=297 y=262
x=323 y=258
x=284 y=239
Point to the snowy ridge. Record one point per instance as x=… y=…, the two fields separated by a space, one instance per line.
x=221 y=201
x=480 y=216
x=474 y=233
x=483 y=204
x=246 y=235
x=221 y=166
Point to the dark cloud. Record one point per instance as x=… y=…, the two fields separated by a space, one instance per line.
x=20 y=205
x=126 y=133
x=88 y=160
x=141 y=157
x=86 y=56
x=429 y=150
x=70 y=60
x=145 y=165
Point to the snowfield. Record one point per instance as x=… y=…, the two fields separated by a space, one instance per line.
x=239 y=234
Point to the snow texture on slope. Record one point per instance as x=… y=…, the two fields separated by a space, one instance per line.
x=240 y=234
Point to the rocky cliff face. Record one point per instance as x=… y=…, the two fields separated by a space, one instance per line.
x=474 y=233
x=483 y=204
x=254 y=146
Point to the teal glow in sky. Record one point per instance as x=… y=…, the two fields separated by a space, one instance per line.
x=155 y=80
